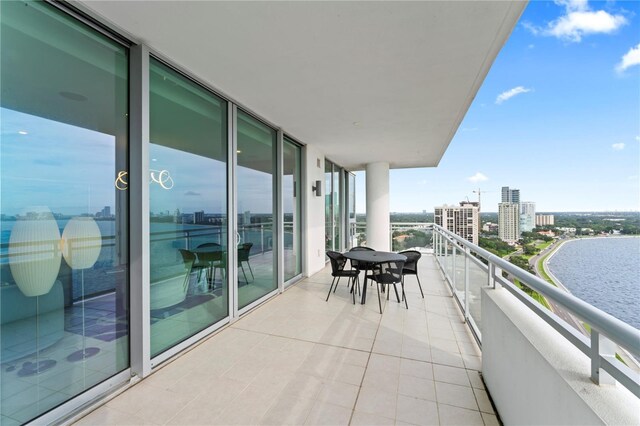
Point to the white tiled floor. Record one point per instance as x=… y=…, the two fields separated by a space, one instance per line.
x=300 y=360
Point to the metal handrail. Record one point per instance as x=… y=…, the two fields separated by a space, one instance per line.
x=617 y=330
x=601 y=323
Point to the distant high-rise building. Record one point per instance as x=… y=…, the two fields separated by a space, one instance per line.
x=527 y=216
x=544 y=220
x=106 y=211
x=510 y=195
x=509 y=222
x=198 y=217
x=462 y=220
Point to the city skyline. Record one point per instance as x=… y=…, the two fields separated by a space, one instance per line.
x=556 y=117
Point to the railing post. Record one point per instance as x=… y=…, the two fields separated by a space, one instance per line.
x=601 y=346
x=467 y=253
x=453 y=266
x=262 y=238
x=491 y=282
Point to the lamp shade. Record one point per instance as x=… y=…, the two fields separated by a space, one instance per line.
x=81 y=242
x=34 y=252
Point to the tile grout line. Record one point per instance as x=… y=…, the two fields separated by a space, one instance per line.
x=355 y=403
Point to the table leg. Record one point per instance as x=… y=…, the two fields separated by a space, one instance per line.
x=364 y=286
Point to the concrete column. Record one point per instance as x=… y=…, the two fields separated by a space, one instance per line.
x=378 y=235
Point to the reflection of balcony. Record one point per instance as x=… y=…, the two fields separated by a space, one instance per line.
x=300 y=360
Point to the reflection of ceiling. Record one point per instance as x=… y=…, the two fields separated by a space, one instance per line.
x=361 y=81
x=64 y=78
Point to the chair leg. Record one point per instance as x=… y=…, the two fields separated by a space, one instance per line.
x=251 y=271
x=420 y=285
x=332 y=281
x=336 y=287
x=402 y=283
x=403 y=295
x=395 y=288
x=244 y=273
x=379 y=302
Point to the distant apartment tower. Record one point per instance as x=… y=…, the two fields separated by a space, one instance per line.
x=544 y=220
x=462 y=220
x=509 y=222
x=106 y=211
x=510 y=195
x=527 y=216
x=198 y=217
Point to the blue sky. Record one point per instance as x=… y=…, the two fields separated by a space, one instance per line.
x=566 y=130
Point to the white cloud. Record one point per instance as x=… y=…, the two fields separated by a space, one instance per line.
x=573 y=5
x=511 y=93
x=478 y=177
x=638 y=138
x=631 y=58
x=618 y=146
x=578 y=21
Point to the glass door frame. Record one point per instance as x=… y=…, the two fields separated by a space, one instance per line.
x=277 y=227
x=301 y=222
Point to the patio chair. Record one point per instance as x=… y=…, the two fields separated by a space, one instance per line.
x=388 y=273
x=354 y=263
x=411 y=266
x=243 y=256
x=211 y=261
x=338 y=262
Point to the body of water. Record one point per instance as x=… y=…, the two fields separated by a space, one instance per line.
x=604 y=272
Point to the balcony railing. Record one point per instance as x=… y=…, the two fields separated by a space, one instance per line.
x=468 y=268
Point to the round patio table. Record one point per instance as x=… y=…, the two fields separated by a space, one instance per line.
x=370 y=258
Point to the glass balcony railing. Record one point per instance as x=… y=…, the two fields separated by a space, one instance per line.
x=468 y=268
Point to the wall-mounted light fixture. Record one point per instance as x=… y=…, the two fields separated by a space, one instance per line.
x=317 y=188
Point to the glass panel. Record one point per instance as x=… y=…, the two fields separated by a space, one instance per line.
x=292 y=205
x=328 y=204
x=188 y=205
x=459 y=271
x=478 y=278
x=255 y=173
x=64 y=317
x=352 y=211
x=337 y=209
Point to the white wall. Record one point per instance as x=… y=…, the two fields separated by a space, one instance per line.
x=536 y=377
x=314 y=231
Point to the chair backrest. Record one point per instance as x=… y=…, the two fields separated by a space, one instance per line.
x=337 y=261
x=388 y=272
x=412 y=259
x=361 y=248
x=244 y=250
x=187 y=256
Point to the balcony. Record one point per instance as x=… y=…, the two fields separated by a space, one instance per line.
x=300 y=360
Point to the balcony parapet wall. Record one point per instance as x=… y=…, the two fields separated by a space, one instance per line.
x=536 y=376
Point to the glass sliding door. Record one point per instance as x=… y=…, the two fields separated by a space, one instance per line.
x=350 y=223
x=334 y=206
x=336 y=198
x=255 y=175
x=188 y=208
x=64 y=308
x=328 y=205
x=292 y=209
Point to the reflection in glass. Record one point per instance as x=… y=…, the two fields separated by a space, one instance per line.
x=63 y=247
x=255 y=175
x=292 y=205
x=352 y=210
x=188 y=205
x=337 y=209
x=328 y=204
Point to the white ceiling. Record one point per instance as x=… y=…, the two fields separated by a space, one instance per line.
x=361 y=81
